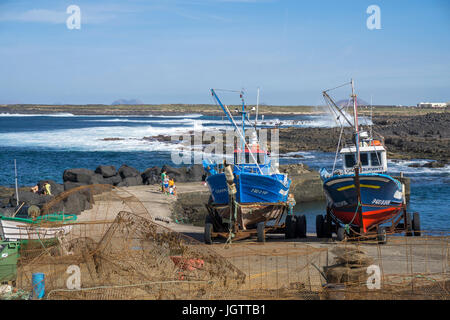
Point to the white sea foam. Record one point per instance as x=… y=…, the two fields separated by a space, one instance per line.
x=403 y=166
x=92 y=139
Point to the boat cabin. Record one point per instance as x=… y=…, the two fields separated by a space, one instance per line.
x=372 y=155
x=261 y=156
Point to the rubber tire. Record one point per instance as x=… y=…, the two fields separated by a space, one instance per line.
x=261 y=232
x=290 y=226
x=416 y=224
x=208 y=232
x=319 y=226
x=300 y=227
x=381 y=235
x=326 y=232
x=340 y=234
x=409 y=227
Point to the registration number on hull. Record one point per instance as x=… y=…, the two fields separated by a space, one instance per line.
x=381 y=202
x=259 y=191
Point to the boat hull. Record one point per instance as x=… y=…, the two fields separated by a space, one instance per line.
x=15 y=231
x=381 y=199
x=249 y=215
x=251 y=188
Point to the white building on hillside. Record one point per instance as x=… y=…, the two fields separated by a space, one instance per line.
x=432 y=105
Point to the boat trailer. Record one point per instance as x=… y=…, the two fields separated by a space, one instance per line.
x=239 y=227
x=401 y=223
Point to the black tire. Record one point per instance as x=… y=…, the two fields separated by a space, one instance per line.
x=208 y=233
x=300 y=227
x=319 y=226
x=290 y=227
x=416 y=224
x=381 y=235
x=340 y=234
x=408 y=224
x=261 y=232
x=326 y=233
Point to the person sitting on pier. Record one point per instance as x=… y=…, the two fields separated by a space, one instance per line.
x=47 y=189
x=172 y=187
x=35 y=189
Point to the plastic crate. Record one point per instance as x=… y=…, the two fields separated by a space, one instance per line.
x=9 y=253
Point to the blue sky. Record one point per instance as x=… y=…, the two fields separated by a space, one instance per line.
x=173 y=51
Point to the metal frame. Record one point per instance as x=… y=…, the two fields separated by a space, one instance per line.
x=238 y=232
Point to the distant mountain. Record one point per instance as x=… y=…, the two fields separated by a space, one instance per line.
x=348 y=102
x=127 y=101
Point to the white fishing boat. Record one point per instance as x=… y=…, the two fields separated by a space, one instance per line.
x=16 y=229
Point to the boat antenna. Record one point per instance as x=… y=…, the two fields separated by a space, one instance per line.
x=257 y=108
x=17 y=188
x=331 y=102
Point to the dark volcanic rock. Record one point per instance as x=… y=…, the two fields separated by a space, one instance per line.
x=106 y=171
x=68 y=185
x=151 y=176
x=74 y=203
x=114 y=180
x=195 y=173
x=29 y=198
x=7 y=212
x=131 y=181
x=78 y=175
x=97 y=179
x=434 y=164
x=179 y=174
x=127 y=172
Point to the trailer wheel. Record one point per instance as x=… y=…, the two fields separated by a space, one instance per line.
x=208 y=233
x=261 y=231
x=416 y=224
x=327 y=228
x=290 y=227
x=319 y=226
x=381 y=235
x=408 y=224
x=300 y=227
x=340 y=234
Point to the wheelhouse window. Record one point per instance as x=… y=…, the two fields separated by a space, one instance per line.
x=375 y=159
x=248 y=159
x=350 y=160
x=364 y=159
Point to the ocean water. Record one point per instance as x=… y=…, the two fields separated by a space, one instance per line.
x=45 y=145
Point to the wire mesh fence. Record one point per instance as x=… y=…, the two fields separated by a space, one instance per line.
x=116 y=250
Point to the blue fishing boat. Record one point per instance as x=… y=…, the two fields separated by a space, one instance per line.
x=361 y=196
x=248 y=191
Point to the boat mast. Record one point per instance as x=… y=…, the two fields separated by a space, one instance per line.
x=356 y=126
x=230 y=117
x=243 y=128
x=257 y=107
